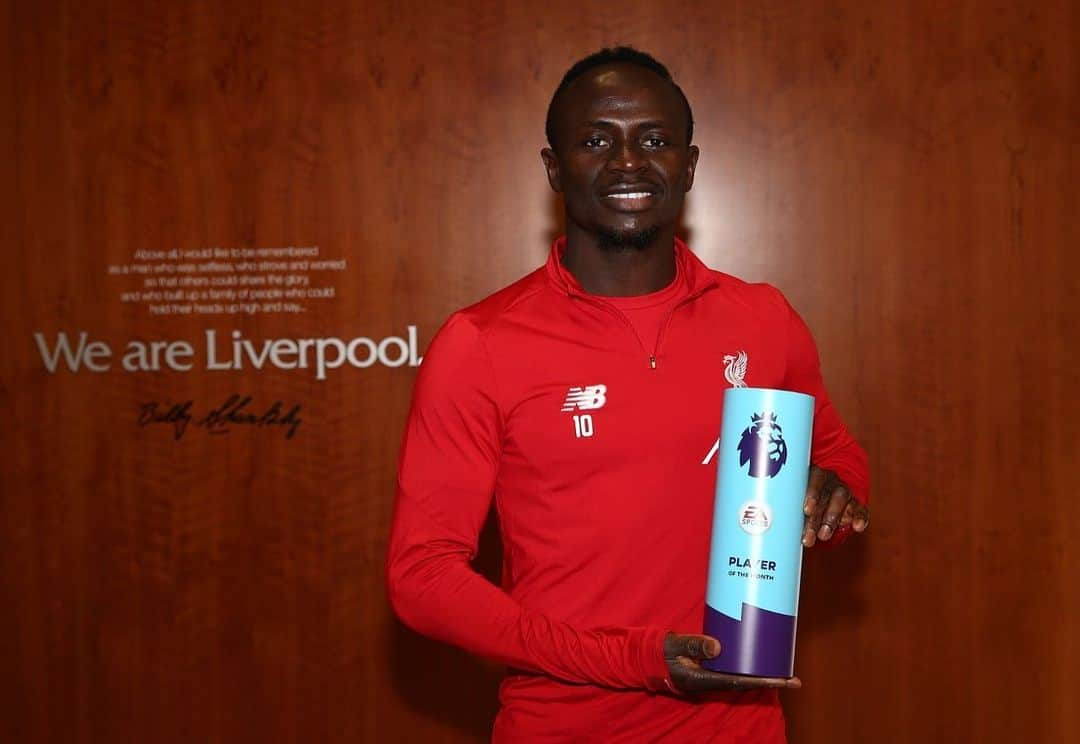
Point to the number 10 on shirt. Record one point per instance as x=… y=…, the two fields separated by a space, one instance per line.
x=583 y=425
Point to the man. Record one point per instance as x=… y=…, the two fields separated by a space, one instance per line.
x=584 y=399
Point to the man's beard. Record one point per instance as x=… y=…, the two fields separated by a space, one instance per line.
x=625 y=240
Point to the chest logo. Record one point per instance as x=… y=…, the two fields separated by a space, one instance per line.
x=588 y=398
x=735 y=369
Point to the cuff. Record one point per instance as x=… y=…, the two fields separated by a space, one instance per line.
x=654 y=669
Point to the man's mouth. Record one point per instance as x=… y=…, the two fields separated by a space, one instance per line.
x=634 y=200
x=632 y=195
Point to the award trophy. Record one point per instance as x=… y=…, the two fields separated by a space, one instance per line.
x=755 y=559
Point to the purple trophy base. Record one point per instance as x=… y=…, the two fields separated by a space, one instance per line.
x=762 y=644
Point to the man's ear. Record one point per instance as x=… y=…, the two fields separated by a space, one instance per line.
x=551 y=165
x=691 y=166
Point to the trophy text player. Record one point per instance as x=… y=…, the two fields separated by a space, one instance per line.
x=585 y=400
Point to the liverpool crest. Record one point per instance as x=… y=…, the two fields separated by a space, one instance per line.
x=735 y=369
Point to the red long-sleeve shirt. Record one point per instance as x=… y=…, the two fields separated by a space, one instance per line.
x=595 y=448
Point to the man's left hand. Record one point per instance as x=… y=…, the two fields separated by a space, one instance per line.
x=830 y=507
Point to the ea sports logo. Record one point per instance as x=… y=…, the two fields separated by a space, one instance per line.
x=755 y=517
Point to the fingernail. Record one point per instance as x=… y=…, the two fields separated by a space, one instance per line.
x=859 y=525
x=713 y=649
x=825 y=533
x=794 y=683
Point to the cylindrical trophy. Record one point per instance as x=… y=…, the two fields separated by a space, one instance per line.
x=755 y=560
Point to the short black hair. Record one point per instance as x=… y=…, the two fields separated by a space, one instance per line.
x=608 y=56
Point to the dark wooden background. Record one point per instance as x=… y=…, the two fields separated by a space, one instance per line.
x=906 y=172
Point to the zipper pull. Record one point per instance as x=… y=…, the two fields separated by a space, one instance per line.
x=652 y=361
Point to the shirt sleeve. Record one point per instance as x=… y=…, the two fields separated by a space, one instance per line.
x=446 y=479
x=833 y=446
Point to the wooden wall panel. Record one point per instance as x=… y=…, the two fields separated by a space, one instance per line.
x=905 y=172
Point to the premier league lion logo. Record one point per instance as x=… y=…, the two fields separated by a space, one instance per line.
x=762 y=445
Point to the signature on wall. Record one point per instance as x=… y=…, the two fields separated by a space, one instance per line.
x=237 y=410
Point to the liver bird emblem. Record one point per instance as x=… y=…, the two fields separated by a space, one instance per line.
x=735 y=369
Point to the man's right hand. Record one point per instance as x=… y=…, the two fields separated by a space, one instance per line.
x=683 y=654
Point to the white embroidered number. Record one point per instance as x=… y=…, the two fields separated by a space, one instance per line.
x=583 y=426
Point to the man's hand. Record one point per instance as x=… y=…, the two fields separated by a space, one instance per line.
x=829 y=507
x=682 y=654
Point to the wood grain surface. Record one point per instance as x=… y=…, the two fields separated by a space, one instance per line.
x=906 y=172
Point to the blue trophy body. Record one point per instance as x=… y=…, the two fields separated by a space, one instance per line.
x=755 y=559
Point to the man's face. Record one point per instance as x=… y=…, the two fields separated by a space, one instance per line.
x=621 y=159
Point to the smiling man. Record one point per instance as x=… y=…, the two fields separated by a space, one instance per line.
x=585 y=399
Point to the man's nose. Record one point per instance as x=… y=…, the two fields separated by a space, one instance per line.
x=626 y=157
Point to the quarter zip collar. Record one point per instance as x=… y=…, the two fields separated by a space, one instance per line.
x=699 y=277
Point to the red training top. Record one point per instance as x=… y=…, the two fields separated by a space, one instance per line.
x=597 y=447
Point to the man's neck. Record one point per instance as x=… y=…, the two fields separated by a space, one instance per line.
x=620 y=272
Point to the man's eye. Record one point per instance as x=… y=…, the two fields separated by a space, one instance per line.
x=655 y=142
x=593 y=142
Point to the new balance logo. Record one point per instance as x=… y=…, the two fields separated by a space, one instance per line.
x=588 y=398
